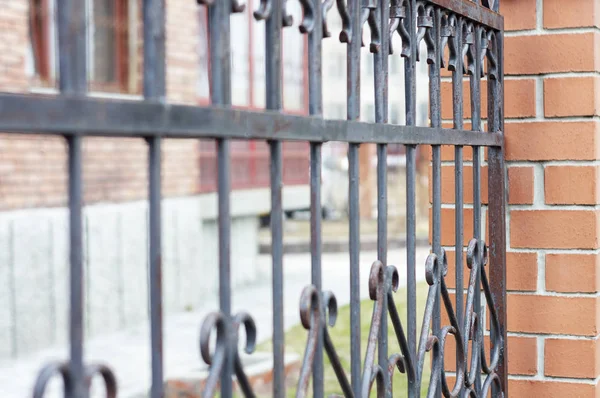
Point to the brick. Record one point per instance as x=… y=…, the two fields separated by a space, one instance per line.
x=579 y=14
x=571 y=96
x=448 y=184
x=519 y=99
x=550 y=389
x=571 y=358
x=521 y=271
x=518 y=14
x=552 y=314
x=572 y=273
x=571 y=185
x=554 y=229
x=539 y=54
x=448 y=235
x=522 y=354
x=520 y=185
x=446 y=92
x=448 y=153
x=552 y=141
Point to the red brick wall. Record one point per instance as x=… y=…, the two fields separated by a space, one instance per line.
x=33 y=168
x=552 y=102
x=558 y=229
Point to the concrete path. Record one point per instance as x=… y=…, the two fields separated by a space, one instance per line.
x=128 y=352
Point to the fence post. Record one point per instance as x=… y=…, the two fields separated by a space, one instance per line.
x=552 y=104
x=552 y=91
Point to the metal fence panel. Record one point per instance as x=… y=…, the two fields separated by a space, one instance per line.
x=471 y=32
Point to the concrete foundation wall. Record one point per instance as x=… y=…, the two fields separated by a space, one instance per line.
x=34 y=263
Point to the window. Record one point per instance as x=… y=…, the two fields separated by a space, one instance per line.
x=41 y=57
x=113 y=46
x=250 y=159
x=248 y=62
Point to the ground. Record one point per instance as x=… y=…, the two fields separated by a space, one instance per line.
x=128 y=353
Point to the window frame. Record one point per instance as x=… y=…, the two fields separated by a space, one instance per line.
x=44 y=54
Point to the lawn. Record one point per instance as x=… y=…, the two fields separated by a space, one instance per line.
x=295 y=341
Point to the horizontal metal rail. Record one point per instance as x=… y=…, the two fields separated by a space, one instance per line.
x=473 y=11
x=112 y=118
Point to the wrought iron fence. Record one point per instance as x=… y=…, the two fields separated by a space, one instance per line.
x=472 y=34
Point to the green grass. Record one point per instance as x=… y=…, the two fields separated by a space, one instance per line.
x=295 y=342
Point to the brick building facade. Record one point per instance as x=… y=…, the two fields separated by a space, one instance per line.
x=33 y=175
x=33 y=169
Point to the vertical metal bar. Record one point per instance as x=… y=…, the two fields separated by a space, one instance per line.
x=154 y=89
x=315 y=108
x=353 y=104
x=315 y=250
x=380 y=63
x=436 y=121
x=497 y=211
x=274 y=81
x=475 y=85
x=277 y=257
x=76 y=269
x=73 y=81
x=410 y=92
x=220 y=76
x=458 y=109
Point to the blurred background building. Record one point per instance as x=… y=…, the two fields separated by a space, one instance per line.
x=33 y=177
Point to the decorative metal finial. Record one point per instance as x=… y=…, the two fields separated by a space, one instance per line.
x=400 y=17
x=369 y=15
x=425 y=20
x=448 y=34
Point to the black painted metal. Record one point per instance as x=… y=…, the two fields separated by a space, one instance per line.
x=472 y=34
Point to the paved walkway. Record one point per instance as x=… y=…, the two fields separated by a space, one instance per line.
x=128 y=352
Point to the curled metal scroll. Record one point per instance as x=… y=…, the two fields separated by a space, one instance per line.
x=313 y=308
x=383 y=281
x=217 y=322
x=377 y=291
x=48 y=372
x=62 y=370
x=243 y=319
x=227 y=339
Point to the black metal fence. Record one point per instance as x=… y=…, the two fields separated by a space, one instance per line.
x=463 y=36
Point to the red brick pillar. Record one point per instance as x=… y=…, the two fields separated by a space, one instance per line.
x=552 y=110
x=552 y=152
